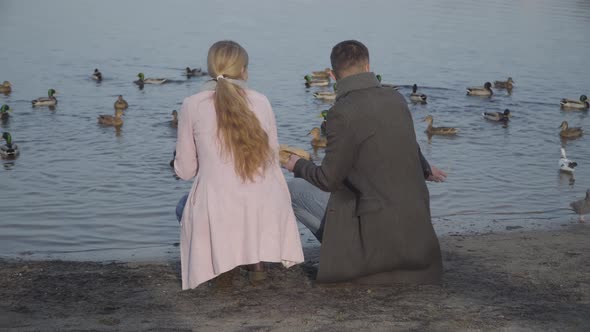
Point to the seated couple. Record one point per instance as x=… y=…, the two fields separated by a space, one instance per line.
x=367 y=202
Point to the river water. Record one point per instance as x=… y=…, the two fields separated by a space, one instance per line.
x=81 y=191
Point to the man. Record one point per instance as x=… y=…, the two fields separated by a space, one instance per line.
x=377 y=227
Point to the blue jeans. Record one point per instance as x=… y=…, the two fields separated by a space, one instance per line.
x=180 y=207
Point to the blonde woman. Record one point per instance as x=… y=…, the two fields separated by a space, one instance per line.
x=238 y=211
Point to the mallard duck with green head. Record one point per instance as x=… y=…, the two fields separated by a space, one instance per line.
x=438 y=130
x=97 y=75
x=581 y=104
x=50 y=100
x=417 y=97
x=174 y=121
x=498 y=116
x=4 y=115
x=508 y=84
x=120 y=103
x=112 y=120
x=386 y=85
x=9 y=150
x=309 y=81
x=195 y=72
x=5 y=87
x=142 y=80
x=569 y=132
x=316 y=138
x=483 y=91
x=326 y=95
x=321 y=73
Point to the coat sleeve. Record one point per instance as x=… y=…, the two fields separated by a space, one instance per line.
x=425 y=165
x=339 y=157
x=185 y=162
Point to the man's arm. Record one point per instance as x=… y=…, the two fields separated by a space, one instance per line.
x=425 y=165
x=338 y=160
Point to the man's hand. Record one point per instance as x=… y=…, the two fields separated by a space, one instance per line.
x=437 y=175
x=290 y=164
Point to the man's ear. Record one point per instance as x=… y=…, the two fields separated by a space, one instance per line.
x=332 y=75
x=368 y=67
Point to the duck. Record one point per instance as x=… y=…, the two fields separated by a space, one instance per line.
x=581 y=104
x=566 y=165
x=4 y=115
x=386 y=85
x=485 y=91
x=8 y=150
x=316 y=138
x=582 y=206
x=326 y=95
x=417 y=97
x=508 y=84
x=309 y=81
x=97 y=76
x=142 y=80
x=497 y=116
x=195 y=72
x=174 y=121
x=120 y=103
x=5 y=87
x=50 y=100
x=321 y=73
x=567 y=132
x=110 y=120
x=438 y=130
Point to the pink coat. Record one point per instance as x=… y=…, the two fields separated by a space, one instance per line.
x=227 y=222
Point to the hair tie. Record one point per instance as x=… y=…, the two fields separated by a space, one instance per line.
x=219 y=77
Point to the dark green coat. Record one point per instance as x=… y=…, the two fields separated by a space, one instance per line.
x=377 y=226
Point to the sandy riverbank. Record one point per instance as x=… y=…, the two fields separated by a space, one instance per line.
x=516 y=281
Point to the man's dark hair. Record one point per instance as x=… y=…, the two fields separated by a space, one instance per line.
x=347 y=54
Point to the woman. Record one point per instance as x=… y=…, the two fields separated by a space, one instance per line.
x=239 y=210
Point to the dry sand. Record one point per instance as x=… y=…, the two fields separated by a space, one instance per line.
x=514 y=281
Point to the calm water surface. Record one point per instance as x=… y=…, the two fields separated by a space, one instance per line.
x=82 y=191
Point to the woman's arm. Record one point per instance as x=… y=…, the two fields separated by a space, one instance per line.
x=185 y=162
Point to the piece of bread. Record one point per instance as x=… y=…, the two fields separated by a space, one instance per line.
x=285 y=151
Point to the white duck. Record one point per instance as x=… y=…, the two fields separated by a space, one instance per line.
x=566 y=165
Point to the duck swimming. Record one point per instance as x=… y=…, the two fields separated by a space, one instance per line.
x=582 y=206
x=5 y=87
x=417 y=97
x=386 y=85
x=174 y=121
x=195 y=72
x=8 y=150
x=485 y=91
x=316 y=138
x=97 y=76
x=142 y=80
x=309 y=81
x=438 y=130
x=120 y=103
x=566 y=165
x=498 y=116
x=50 y=100
x=4 y=115
x=567 y=132
x=508 y=84
x=326 y=95
x=110 y=120
x=321 y=73
x=581 y=104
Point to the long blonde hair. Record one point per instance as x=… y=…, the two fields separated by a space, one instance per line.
x=238 y=128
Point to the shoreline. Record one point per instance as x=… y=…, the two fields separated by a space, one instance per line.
x=518 y=280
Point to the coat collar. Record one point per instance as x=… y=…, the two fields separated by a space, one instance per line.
x=356 y=82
